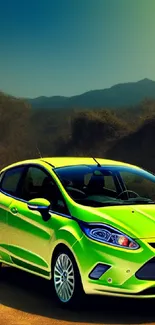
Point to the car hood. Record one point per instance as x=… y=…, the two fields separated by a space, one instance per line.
x=137 y=221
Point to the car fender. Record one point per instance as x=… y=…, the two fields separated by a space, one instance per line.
x=67 y=236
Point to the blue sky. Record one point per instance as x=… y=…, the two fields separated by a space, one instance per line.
x=67 y=47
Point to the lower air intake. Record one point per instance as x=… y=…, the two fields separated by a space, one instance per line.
x=98 y=271
x=147 y=271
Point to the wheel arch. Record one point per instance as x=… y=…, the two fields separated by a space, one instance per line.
x=58 y=248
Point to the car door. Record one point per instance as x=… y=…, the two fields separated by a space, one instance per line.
x=30 y=235
x=9 y=181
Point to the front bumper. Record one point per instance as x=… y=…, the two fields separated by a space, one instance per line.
x=122 y=277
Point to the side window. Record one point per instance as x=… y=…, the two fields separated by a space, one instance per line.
x=33 y=183
x=39 y=184
x=10 y=181
x=36 y=176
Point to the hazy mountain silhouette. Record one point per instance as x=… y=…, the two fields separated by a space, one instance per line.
x=120 y=95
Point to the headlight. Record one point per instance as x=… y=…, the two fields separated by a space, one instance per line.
x=108 y=235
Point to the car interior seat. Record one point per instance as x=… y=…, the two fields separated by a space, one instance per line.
x=95 y=185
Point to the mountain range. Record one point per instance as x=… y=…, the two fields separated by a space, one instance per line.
x=120 y=95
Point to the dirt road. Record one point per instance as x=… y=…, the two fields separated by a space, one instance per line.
x=24 y=300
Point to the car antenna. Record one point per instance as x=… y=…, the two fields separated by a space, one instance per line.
x=98 y=164
x=39 y=151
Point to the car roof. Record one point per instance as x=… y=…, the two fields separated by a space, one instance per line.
x=71 y=161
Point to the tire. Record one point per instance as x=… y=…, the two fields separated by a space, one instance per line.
x=66 y=280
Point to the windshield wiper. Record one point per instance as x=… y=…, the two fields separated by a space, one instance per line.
x=111 y=203
x=138 y=200
x=128 y=202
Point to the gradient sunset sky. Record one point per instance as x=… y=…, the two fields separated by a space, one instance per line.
x=67 y=47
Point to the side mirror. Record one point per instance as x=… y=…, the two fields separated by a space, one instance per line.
x=41 y=205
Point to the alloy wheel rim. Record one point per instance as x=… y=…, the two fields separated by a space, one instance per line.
x=64 y=280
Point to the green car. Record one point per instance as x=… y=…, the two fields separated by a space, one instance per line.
x=85 y=224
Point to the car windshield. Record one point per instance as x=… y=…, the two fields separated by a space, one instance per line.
x=109 y=185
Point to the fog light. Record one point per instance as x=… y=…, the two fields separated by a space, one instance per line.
x=98 y=271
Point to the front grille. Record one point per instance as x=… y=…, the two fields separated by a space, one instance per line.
x=147 y=271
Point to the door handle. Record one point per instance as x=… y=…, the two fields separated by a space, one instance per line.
x=14 y=210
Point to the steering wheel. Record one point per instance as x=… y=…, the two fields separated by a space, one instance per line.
x=127 y=191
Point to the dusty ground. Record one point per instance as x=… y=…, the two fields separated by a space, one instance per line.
x=24 y=300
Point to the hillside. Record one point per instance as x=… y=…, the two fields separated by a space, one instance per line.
x=16 y=141
x=123 y=134
x=92 y=133
x=137 y=148
x=49 y=127
x=120 y=95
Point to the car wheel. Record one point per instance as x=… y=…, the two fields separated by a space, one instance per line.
x=66 y=280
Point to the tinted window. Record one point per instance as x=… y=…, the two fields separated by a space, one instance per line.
x=144 y=187
x=77 y=176
x=11 y=180
x=100 y=186
x=36 y=175
x=109 y=182
x=81 y=176
x=33 y=183
x=39 y=184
